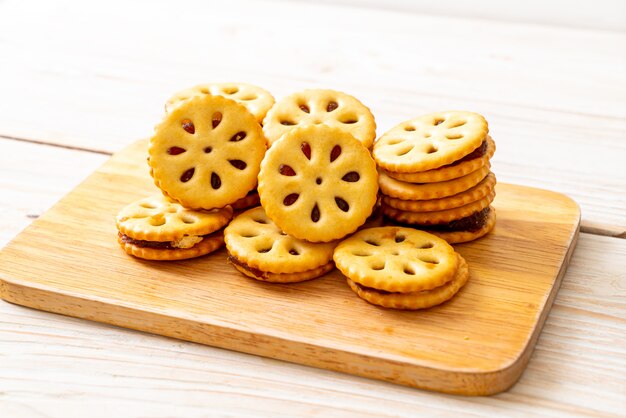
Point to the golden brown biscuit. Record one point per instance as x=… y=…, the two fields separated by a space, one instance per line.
x=157 y=218
x=438 y=217
x=257 y=100
x=430 y=141
x=409 y=191
x=207 y=152
x=457 y=169
x=208 y=244
x=396 y=259
x=415 y=300
x=259 y=247
x=328 y=107
x=265 y=276
x=318 y=183
x=156 y=228
x=482 y=189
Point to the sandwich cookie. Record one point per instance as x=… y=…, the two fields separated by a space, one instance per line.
x=257 y=100
x=401 y=268
x=260 y=250
x=206 y=153
x=327 y=107
x=318 y=183
x=156 y=228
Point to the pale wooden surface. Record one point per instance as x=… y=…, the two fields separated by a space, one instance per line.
x=206 y=300
x=555 y=101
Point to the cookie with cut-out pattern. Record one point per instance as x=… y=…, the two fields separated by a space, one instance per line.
x=257 y=100
x=396 y=259
x=430 y=141
x=206 y=153
x=410 y=191
x=157 y=228
x=440 y=216
x=415 y=300
x=318 y=183
x=259 y=249
x=481 y=190
x=473 y=161
x=316 y=106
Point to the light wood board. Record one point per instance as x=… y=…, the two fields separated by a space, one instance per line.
x=479 y=343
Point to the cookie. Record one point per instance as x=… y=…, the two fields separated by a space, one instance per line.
x=208 y=244
x=480 y=224
x=482 y=189
x=265 y=276
x=440 y=216
x=156 y=228
x=415 y=300
x=409 y=191
x=259 y=249
x=430 y=141
x=318 y=183
x=471 y=162
x=206 y=153
x=328 y=107
x=257 y=100
x=396 y=259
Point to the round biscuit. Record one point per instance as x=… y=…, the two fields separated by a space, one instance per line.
x=318 y=183
x=415 y=300
x=458 y=237
x=289 y=277
x=328 y=107
x=430 y=141
x=257 y=100
x=206 y=153
x=450 y=171
x=396 y=259
x=209 y=244
x=255 y=240
x=482 y=189
x=409 y=191
x=438 y=217
x=157 y=218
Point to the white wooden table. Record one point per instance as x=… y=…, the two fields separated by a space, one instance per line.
x=78 y=81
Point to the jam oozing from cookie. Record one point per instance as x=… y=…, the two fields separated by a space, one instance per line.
x=470 y=223
x=477 y=153
x=255 y=272
x=157 y=245
x=371 y=289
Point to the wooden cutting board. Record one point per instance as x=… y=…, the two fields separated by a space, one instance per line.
x=68 y=262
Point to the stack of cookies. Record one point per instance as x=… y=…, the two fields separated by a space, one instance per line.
x=306 y=159
x=401 y=268
x=317 y=184
x=434 y=175
x=204 y=157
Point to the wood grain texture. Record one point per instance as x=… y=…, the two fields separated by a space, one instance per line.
x=515 y=274
x=56 y=366
x=557 y=113
x=33 y=177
